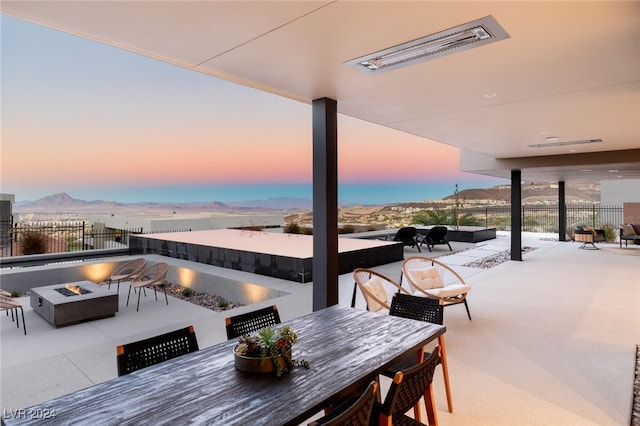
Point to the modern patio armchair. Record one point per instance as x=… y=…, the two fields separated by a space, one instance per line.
x=374 y=287
x=351 y=413
x=128 y=271
x=421 y=309
x=431 y=278
x=152 y=276
x=588 y=235
x=436 y=236
x=406 y=390
x=242 y=324
x=408 y=237
x=144 y=353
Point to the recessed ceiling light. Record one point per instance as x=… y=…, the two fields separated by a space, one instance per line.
x=613 y=171
x=586 y=170
x=490 y=95
x=552 y=139
x=466 y=36
x=544 y=145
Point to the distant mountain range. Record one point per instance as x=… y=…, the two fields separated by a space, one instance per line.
x=63 y=203
x=534 y=193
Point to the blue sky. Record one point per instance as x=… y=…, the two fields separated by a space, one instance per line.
x=101 y=123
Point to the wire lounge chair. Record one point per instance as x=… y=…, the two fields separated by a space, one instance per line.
x=374 y=287
x=128 y=271
x=431 y=278
x=7 y=303
x=152 y=276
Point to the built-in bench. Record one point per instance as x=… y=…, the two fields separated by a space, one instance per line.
x=630 y=232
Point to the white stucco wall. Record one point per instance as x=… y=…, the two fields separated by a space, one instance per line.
x=619 y=191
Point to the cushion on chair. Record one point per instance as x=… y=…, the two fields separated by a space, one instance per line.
x=426 y=278
x=628 y=230
x=449 y=291
x=376 y=287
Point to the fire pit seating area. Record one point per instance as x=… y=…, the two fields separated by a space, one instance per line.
x=630 y=232
x=67 y=294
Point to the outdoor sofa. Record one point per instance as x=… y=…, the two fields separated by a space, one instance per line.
x=630 y=232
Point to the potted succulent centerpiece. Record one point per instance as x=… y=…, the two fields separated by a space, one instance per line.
x=267 y=351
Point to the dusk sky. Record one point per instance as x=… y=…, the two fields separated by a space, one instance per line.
x=100 y=123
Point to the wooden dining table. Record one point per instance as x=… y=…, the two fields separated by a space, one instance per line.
x=346 y=349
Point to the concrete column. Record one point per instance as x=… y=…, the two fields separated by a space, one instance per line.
x=516 y=215
x=562 y=212
x=325 y=203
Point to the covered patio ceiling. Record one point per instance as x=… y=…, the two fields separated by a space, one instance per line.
x=569 y=71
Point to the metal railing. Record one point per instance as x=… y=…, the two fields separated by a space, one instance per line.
x=545 y=218
x=26 y=238
x=70 y=236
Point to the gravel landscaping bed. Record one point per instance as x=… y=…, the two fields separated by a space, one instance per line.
x=206 y=300
x=496 y=259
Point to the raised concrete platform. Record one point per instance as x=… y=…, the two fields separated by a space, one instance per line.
x=464 y=234
x=286 y=256
x=60 y=306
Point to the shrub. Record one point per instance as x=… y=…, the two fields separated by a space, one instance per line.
x=187 y=292
x=610 y=234
x=34 y=243
x=346 y=229
x=222 y=303
x=291 y=228
x=15 y=293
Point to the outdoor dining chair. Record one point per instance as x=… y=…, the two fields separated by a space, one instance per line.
x=242 y=324
x=421 y=309
x=144 y=353
x=406 y=389
x=432 y=278
x=350 y=413
x=128 y=271
x=152 y=276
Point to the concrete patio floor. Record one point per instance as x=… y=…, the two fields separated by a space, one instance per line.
x=552 y=341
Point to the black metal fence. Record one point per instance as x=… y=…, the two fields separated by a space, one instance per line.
x=51 y=237
x=59 y=237
x=545 y=218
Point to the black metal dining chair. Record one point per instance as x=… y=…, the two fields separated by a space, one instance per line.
x=406 y=390
x=351 y=413
x=427 y=310
x=242 y=324
x=144 y=353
